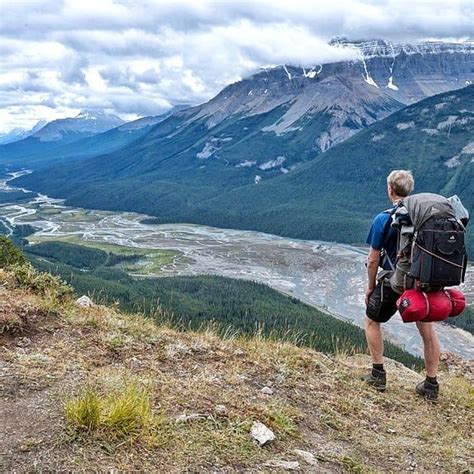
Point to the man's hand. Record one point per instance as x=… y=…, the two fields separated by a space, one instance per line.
x=368 y=293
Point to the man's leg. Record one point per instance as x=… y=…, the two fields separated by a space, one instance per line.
x=429 y=388
x=431 y=347
x=377 y=377
x=373 y=333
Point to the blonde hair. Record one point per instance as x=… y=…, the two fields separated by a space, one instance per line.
x=401 y=182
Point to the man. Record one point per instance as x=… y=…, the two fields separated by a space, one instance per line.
x=380 y=298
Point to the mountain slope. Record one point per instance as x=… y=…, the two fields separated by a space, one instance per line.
x=94 y=389
x=333 y=197
x=434 y=138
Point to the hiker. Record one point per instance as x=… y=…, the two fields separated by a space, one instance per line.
x=380 y=298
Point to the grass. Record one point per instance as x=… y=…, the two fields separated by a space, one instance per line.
x=103 y=390
x=121 y=412
x=84 y=411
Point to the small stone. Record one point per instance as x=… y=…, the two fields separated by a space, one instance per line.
x=261 y=433
x=23 y=342
x=389 y=430
x=220 y=409
x=84 y=301
x=288 y=465
x=193 y=416
x=267 y=390
x=306 y=456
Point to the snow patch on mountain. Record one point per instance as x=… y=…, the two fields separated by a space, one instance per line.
x=207 y=151
x=270 y=164
x=405 y=126
x=391 y=85
x=430 y=131
x=450 y=121
x=246 y=164
x=452 y=162
x=468 y=149
x=378 y=137
x=367 y=77
x=211 y=146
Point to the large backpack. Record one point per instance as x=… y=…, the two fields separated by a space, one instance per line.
x=432 y=252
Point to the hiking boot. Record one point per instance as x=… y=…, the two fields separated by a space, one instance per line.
x=377 y=379
x=428 y=390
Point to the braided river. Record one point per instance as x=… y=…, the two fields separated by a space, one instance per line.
x=328 y=275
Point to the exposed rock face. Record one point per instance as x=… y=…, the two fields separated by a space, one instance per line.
x=349 y=95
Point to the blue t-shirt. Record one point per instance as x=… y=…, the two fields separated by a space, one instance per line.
x=378 y=241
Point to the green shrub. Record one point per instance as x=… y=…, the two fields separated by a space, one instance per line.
x=41 y=283
x=9 y=254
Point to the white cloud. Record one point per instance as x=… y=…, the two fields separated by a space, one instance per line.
x=141 y=57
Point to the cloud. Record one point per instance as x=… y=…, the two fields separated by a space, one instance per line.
x=143 y=56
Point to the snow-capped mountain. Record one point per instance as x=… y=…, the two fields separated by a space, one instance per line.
x=86 y=123
x=20 y=133
x=352 y=94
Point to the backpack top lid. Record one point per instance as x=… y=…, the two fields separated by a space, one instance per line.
x=424 y=206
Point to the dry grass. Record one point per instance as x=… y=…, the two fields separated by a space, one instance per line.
x=99 y=390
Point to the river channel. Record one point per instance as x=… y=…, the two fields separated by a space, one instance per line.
x=323 y=274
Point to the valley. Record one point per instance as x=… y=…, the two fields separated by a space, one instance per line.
x=326 y=275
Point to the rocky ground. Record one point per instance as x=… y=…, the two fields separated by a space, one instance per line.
x=204 y=397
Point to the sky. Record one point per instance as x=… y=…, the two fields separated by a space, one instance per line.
x=138 y=58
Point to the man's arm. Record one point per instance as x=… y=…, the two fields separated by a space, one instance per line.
x=373 y=260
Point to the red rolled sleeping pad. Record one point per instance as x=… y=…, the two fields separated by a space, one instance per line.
x=416 y=305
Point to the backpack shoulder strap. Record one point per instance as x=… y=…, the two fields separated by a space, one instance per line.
x=386 y=228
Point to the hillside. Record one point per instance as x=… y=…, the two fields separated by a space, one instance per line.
x=191 y=302
x=432 y=137
x=93 y=389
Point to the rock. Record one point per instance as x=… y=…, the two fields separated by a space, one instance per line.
x=220 y=409
x=193 y=416
x=306 y=456
x=288 y=465
x=267 y=391
x=261 y=433
x=84 y=301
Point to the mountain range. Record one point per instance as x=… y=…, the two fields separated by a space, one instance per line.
x=18 y=134
x=267 y=152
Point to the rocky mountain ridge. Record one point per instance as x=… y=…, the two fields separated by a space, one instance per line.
x=86 y=123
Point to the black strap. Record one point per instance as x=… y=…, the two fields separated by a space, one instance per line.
x=385 y=231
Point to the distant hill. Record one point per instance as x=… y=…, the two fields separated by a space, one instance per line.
x=34 y=154
x=55 y=134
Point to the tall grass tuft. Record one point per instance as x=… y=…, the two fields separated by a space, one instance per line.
x=123 y=412
x=128 y=413
x=83 y=412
